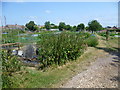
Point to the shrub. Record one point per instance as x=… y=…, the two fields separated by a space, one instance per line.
x=102 y=34
x=10 y=64
x=58 y=49
x=92 y=41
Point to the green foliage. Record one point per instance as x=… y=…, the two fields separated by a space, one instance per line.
x=80 y=27
x=12 y=36
x=87 y=28
x=94 y=25
x=85 y=35
x=47 y=25
x=53 y=26
x=61 y=26
x=58 y=49
x=92 y=41
x=102 y=34
x=10 y=64
x=31 y=26
x=110 y=34
x=68 y=27
x=74 y=28
x=36 y=27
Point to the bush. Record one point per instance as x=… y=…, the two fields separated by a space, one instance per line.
x=102 y=34
x=10 y=64
x=58 y=49
x=92 y=41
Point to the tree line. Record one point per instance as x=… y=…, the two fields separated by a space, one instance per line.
x=93 y=25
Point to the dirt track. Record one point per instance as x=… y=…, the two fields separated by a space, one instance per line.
x=103 y=73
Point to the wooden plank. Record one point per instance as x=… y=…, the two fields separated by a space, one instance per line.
x=8 y=44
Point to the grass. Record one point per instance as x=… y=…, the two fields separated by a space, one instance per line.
x=54 y=76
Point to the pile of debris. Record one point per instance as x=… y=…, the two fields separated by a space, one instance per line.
x=29 y=52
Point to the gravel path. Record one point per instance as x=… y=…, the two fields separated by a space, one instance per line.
x=103 y=73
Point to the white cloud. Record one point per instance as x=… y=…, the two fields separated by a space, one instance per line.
x=47 y=11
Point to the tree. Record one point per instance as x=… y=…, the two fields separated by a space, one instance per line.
x=80 y=27
x=74 y=28
x=61 y=26
x=31 y=26
x=53 y=26
x=87 y=28
x=94 y=25
x=36 y=27
x=48 y=25
x=108 y=27
x=68 y=27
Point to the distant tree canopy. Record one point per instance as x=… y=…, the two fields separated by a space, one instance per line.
x=53 y=26
x=108 y=27
x=87 y=28
x=68 y=27
x=61 y=26
x=94 y=25
x=74 y=28
x=31 y=26
x=36 y=27
x=48 y=25
x=80 y=27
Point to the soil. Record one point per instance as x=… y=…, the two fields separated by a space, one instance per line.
x=103 y=73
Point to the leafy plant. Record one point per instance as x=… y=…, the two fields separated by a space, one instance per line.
x=92 y=41
x=58 y=49
x=10 y=64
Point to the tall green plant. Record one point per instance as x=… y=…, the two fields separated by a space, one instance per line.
x=58 y=49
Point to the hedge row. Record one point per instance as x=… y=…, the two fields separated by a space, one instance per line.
x=60 y=48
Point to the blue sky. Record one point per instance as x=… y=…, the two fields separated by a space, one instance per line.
x=72 y=13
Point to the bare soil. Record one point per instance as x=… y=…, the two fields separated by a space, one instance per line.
x=103 y=73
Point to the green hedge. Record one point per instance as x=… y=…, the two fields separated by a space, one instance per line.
x=58 y=49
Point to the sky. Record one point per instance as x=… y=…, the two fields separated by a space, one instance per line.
x=72 y=13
